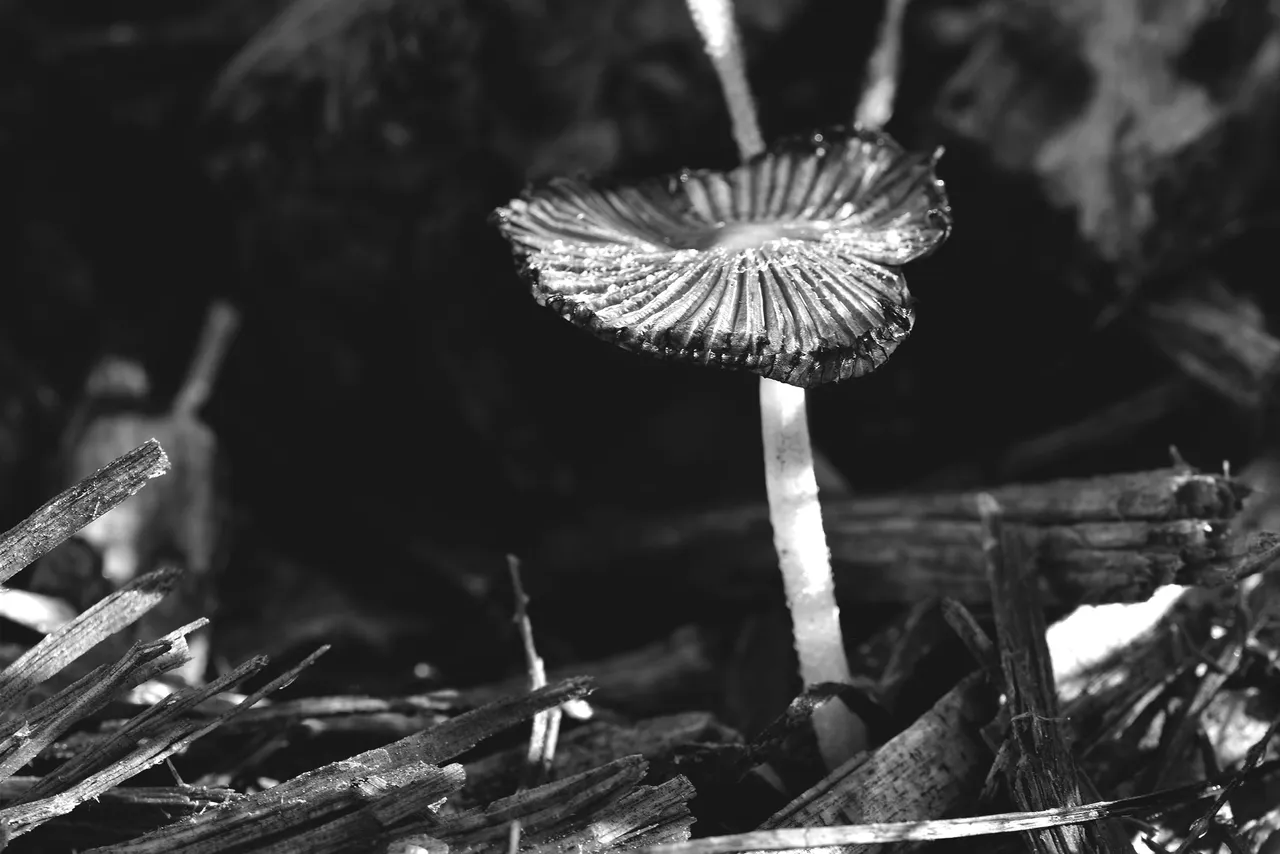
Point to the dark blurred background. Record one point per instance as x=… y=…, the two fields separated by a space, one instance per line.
x=397 y=414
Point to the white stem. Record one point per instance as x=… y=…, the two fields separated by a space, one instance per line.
x=714 y=20
x=801 y=543
x=798 y=534
x=875 y=108
x=790 y=482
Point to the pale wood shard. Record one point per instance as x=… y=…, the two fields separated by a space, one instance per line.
x=332 y=788
x=79 y=505
x=59 y=649
x=154 y=745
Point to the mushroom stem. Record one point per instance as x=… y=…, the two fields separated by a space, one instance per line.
x=798 y=535
x=801 y=543
x=714 y=20
x=790 y=482
x=875 y=107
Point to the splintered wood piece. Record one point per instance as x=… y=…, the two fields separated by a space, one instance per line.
x=149 y=751
x=1115 y=538
x=79 y=505
x=1036 y=760
x=89 y=693
x=648 y=815
x=593 y=811
x=393 y=800
x=57 y=650
x=330 y=787
x=594 y=744
x=175 y=797
x=921 y=773
x=143 y=727
x=552 y=808
x=20 y=747
x=1157 y=495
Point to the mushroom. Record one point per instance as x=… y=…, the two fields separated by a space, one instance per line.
x=786 y=266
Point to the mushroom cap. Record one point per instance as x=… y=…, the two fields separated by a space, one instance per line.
x=786 y=266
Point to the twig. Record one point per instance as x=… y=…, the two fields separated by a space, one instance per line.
x=76 y=507
x=546 y=724
x=220 y=326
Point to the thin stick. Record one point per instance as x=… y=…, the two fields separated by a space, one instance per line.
x=220 y=326
x=39 y=533
x=546 y=724
x=875 y=108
